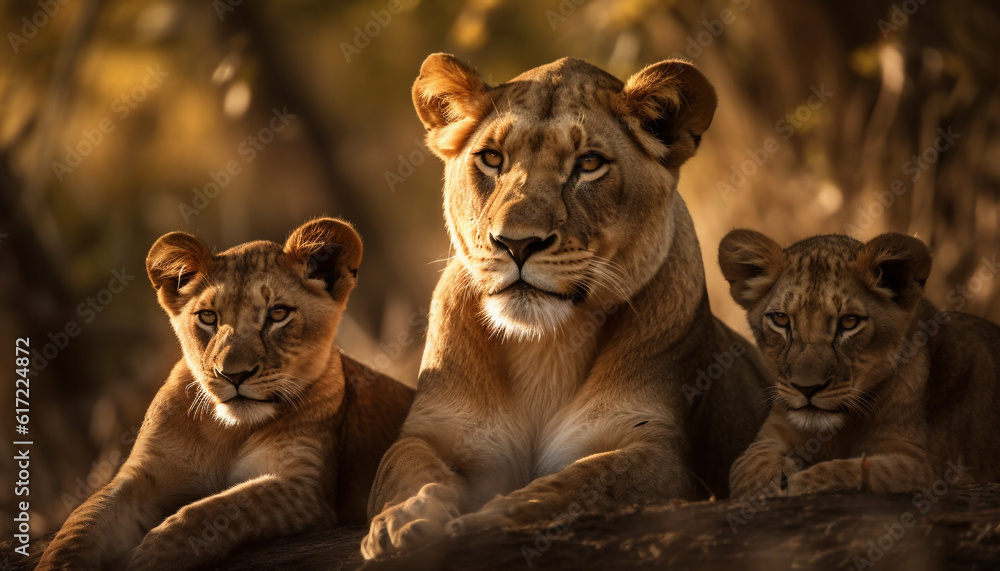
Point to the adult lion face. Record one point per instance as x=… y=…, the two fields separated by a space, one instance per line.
x=559 y=183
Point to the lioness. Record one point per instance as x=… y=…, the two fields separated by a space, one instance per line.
x=573 y=315
x=877 y=389
x=264 y=428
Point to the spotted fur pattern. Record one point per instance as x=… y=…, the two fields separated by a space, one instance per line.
x=263 y=428
x=877 y=389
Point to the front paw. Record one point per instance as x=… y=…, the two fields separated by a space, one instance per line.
x=55 y=559
x=514 y=511
x=828 y=476
x=766 y=484
x=146 y=557
x=418 y=521
x=756 y=474
x=162 y=550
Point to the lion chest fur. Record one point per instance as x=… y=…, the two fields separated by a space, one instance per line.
x=544 y=379
x=520 y=410
x=572 y=312
x=519 y=423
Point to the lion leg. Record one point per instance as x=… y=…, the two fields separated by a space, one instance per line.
x=761 y=469
x=414 y=495
x=605 y=482
x=205 y=531
x=107 y=525
x=876 y=473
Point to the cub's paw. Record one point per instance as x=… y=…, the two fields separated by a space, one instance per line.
x=161 y=549
x=146 y=558
x=761 y=474
x=768 y=485
x=828 y=476
x=418 y=521
x=59 y=561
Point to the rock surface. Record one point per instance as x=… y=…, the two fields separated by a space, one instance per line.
x=940 y=528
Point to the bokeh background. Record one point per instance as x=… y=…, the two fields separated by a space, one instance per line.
x=858 y=116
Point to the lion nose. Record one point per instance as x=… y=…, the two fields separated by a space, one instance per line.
x=237 y=378
x=809 y=390
x=522 y=249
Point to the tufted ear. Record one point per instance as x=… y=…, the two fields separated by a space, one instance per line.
x=173 y=261
x=330 y=249
x=451 y=98
x=751 y=263
x=668 y=106
x=896 y=266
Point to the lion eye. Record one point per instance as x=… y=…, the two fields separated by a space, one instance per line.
x=849 y=322
x=489 y=161
x=779 y=319
x=279 y=313
x=207 y=316
x=590 y=162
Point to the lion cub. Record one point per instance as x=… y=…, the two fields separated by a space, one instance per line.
x=877 y=389
x=263 y=428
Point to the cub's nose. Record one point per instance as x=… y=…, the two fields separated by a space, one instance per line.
x=522 y=249
x=809 y=390
x=237 y=378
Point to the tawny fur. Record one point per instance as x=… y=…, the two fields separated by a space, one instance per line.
x=564 y=392
x=206 y=475
x=913 y=390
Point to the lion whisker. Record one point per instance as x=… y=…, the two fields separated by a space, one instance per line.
x=770 y=395
x=612 y=277
x=447 y=259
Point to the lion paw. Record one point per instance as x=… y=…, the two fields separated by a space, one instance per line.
x=418 y=521
x=766 y=485
x=827 y=476
x=512 y=511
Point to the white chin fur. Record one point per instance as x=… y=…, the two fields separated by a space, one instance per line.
x=815 y=421
x=244 y=414
x=520 y=316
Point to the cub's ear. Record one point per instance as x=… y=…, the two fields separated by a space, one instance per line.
x=750 y=262
x=330 y=250
x=668 y=106
x=451 y=98
x=173 y=261
x=896 y=266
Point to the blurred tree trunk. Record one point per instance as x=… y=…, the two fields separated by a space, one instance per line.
x=282 y=85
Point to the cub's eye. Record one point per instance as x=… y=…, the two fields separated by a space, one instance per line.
x=279 y=313
x=779 y=319
x=590 y=162
x=850 y=321
x=489 y=161
x=207 y=316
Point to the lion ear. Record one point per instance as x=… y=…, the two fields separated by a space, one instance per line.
x=329 y=250
x=451 y=98
x=173 y=261
x=750 y=262
x=668 y=106
x=896 y=266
